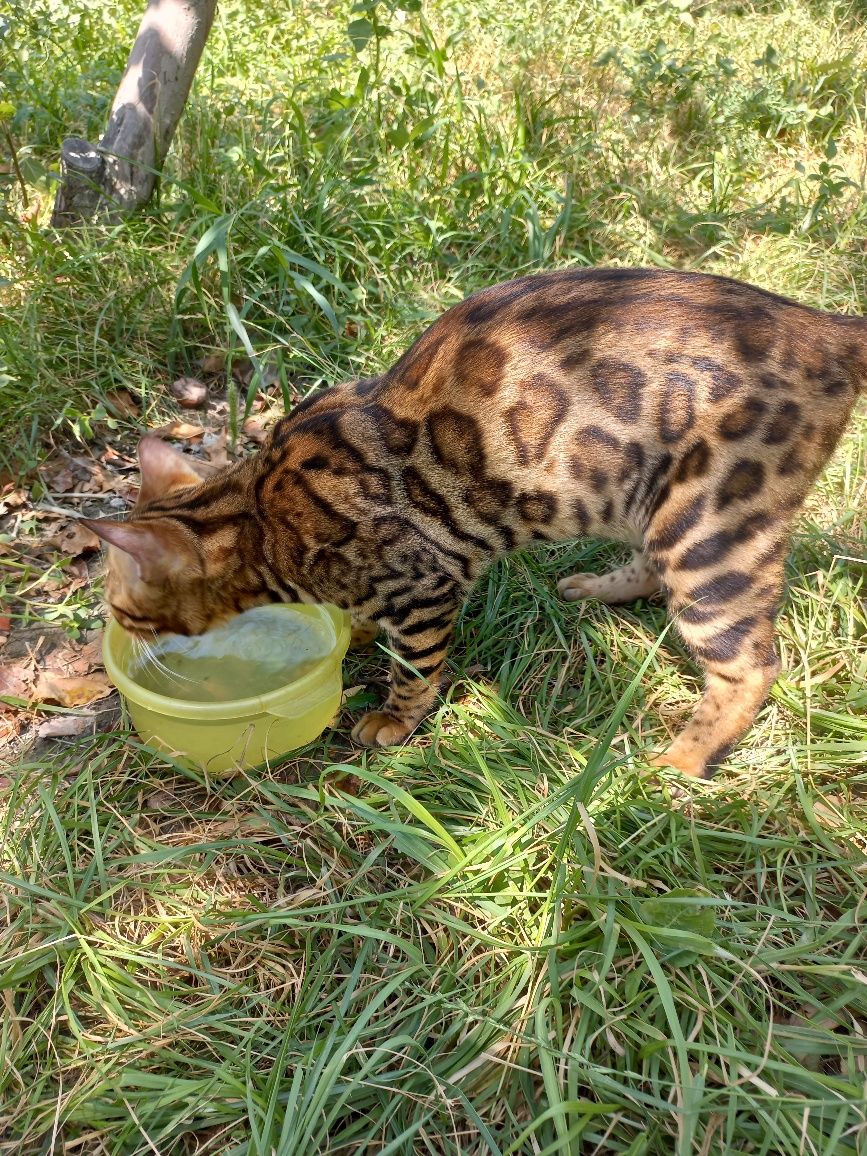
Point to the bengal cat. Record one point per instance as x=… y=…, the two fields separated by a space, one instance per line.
x=684 y=414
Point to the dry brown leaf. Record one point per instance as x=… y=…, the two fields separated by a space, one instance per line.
x=31 y=214
x=74 y=539
x=75 y=658
x=189 y=392
x=118 y=461
x=214 y=363
x=160 y=801
x=70 y=690
x=12 y=499
x=65 y=726
x=214 y=445
x=255 y=431
x=242 y=370
x=59 y=480
x=122 y=403
x=5 y=625
x=72 y=578
x=100 y=481
x=182 y=430
x=16 y=678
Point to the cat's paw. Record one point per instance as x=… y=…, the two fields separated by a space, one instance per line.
x=688 y=763
x=577 y=586
x=378 y=729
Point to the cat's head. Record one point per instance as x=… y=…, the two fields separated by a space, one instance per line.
x=163 y=574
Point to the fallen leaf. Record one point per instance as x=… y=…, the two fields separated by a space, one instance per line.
x=214 y=363
x=255 y=431
x=122 y=403
x=31 y=213
x=12 y=499
x=68 y=690
x=59 y=480
x=75 y=540
x=5 y=623
x=214 y=445
x=16 y=678
x=75 y=658
x=118 y=461
x=181 y=430
x=189 y=392
x=160 y=801
x=99 y=481
x=64 y=726
x=242 y=370
x=69 y=579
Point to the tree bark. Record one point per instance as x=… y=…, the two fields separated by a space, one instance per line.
x=119 y=174
x=81 y=173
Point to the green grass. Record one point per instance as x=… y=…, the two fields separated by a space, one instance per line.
x=476 y=951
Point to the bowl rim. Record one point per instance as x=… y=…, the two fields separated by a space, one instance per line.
x=337 y=618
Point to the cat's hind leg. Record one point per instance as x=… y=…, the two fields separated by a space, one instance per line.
x=726 y=617
x=639 y=578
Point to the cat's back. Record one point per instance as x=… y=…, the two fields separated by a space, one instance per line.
x=569 y=372
x=530 y=372
x=558 y=323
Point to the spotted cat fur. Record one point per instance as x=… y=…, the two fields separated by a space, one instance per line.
x=685 y=414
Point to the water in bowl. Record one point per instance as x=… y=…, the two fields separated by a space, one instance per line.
x=257 y=652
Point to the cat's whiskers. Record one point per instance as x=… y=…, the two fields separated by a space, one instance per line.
x=152 y=658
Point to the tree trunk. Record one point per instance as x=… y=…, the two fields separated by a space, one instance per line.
x=119 y=174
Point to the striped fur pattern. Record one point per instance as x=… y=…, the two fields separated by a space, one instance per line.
x=685 y=414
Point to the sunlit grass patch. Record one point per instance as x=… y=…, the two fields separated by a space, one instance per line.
x=461 y=944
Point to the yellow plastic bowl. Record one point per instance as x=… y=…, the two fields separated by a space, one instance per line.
x=224 y=737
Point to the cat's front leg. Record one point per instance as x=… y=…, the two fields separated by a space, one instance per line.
x=420 y=643
x=363 y=632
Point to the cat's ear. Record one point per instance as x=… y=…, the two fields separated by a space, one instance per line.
x=164 y=469
x=156 y=551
